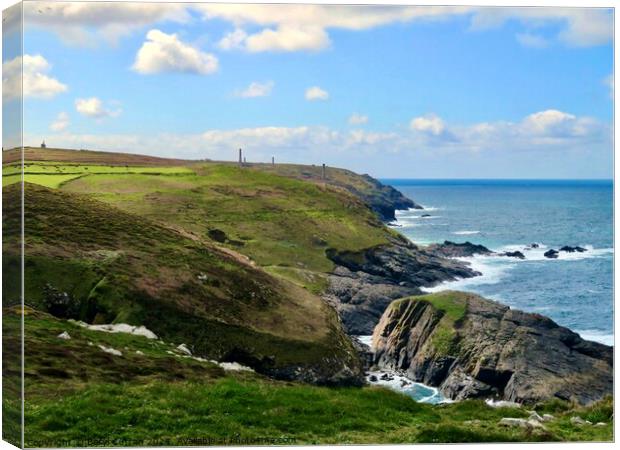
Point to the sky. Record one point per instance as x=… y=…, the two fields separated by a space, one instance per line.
x=393 y=91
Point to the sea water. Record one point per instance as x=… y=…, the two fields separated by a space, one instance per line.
x=575 y=290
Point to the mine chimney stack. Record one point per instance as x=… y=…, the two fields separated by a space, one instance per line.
x=273 y=161
x=323 y=171
x=240 y=157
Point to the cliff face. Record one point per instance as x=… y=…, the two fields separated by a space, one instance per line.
x=363 y=284
x=472 y=347
x=384 y=199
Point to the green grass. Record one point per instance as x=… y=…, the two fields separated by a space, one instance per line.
x=116 y=266
x=284 y=217
x=75 y=392
x=275 y=220
x=48 y=180
x=60 y=168
x=452 y=305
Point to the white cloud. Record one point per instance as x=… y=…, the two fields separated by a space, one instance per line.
x=287 y=38
x=36 y=82
x=358 y=119
x=306 y=25
x=544 y=132
x=544 y=122
x=166 y=53
x=233 y=40
x=528 y=39
x=93 y=107
x=87 y=23
x=316 y=93
x=61 y=122
x=256 y=89
x=579 y=27
x=430 y=123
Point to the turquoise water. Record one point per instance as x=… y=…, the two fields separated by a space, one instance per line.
x=576 y=290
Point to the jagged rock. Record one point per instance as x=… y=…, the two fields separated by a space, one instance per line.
x=516 y=254
x=535 y=424
x=570 y=249
x=64 y=335
x=502 y=404
x=514 y=422
x=533 y=245
x=600 y=424
x=576 y=420
x=535 y=416
x=383 y=199
x=454 y=250
x=547 y=417
x=484 y=349
x=551 y=253
x=184 y=349
x=363 y=284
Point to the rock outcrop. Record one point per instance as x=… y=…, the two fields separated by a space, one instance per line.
x=455 y=250
x=363 y=284
x=383 y=199
x=471 y=347
x=551 y=254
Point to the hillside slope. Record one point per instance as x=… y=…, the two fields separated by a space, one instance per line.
x=149 y=393
x=88 y=260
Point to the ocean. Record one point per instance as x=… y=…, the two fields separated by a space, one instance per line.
x=576 y=290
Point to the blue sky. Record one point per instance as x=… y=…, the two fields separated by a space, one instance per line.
x=391 y=91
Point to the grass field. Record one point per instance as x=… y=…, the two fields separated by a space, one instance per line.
x=275 y=220
x=280 y=220
x=76 y=391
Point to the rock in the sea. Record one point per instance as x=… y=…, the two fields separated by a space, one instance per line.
x=515 y=254
x=426 y=215
x=533 y=245
x=363 y=284
x=454 y=250
x=570 y=249
x=471 y=347
x=551 y=253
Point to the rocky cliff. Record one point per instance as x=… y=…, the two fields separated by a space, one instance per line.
x=363 y=284
x=472 y=347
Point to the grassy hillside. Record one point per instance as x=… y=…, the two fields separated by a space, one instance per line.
x=279 y=217
x=86 y=259
x=152 y=395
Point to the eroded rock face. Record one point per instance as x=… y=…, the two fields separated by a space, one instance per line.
x=363 y=284
x=490 y=351
x=458 y=250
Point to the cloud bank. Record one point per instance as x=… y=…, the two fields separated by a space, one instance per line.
x=296 y=27
x=167 y=53
x=36 y=82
